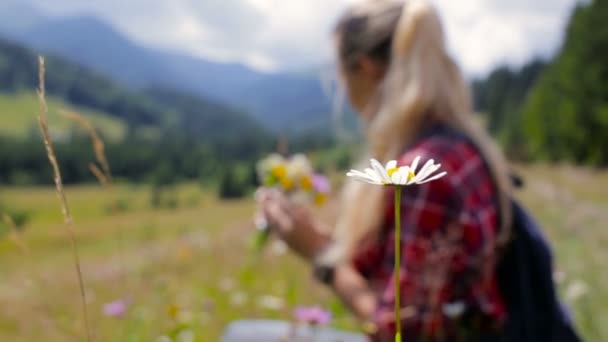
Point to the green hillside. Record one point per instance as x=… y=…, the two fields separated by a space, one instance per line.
x=80 y=86
x=18 y=114
x=566 y=115
x=158 y=135
x=555 y=110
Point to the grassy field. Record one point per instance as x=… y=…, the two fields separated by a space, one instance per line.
x=190 y=267
x=18 y=114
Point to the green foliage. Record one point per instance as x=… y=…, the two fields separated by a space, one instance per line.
x=252 y=179
x=501 y=94
x=231 y=186
x=500 y=97
x=557 y=111
x=338 y=157
x=566 y=116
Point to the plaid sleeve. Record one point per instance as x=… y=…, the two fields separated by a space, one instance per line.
x=447 y=226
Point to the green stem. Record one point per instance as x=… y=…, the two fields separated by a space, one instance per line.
x=397 y=263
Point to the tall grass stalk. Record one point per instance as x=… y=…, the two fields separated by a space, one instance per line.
x=65 y=210
x=98 y=145
x=103 y=175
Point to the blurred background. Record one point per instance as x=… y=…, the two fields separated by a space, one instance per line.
x=185 y=96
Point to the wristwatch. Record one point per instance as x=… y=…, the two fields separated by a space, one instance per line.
x=324 y=273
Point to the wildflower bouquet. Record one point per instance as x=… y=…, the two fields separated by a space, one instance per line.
x=296 y=178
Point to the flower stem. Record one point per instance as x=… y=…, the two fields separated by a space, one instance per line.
x=397 y=263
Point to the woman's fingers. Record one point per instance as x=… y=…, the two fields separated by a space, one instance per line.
x=277 y=216
x=262 y=194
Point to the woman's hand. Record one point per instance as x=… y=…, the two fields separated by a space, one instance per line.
x=292 y=223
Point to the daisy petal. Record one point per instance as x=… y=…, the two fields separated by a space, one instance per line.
x=437 y=176
x=373 y=175
x=415 y=164
x=367 y=177
x=429 y=172
x=353 y=173
x=404 y=171
x=357 y=174
x=380 y=171
x=371 y=181
x=391 y=165
x=364 y=179
x=423 y=172
x=396 y=177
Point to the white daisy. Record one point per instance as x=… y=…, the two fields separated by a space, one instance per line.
x=392 y=174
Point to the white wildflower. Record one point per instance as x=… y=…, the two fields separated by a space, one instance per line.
x=392 y=174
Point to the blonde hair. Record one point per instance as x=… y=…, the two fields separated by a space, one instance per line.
x=422 y=84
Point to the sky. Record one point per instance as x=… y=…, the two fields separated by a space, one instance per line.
x=272 y=35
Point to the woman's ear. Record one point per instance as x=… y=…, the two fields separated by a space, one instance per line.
x=371 y=69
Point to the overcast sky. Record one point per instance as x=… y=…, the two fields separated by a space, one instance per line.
x=288 y=34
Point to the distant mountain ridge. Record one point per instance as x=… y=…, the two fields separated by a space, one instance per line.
x=82 y=87
x=281 y=101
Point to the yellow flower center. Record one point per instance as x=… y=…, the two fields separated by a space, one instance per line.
x=410 y=175
x=320 y=199
x=390 y=172
x=286 y=183
x=306 y=183
x=279 y=171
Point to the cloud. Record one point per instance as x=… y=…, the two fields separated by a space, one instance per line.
x=484 y=33
x=279 y=34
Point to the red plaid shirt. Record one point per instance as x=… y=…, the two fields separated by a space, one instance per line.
x=448 y=249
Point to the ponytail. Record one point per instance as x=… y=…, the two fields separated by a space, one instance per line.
x=422 y=84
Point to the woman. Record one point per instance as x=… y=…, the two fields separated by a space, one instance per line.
x=410 y=94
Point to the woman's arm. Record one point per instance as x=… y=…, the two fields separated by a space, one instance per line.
x=354 y=291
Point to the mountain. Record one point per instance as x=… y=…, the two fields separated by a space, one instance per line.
x=82 y=87
x=217 y=80
x=90 y=42
x=282 y=101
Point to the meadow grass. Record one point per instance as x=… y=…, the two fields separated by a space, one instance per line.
x=195 y=258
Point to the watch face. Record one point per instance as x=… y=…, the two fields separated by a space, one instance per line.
x=324 y=274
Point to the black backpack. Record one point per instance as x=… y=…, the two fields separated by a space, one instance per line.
x=525 y=278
